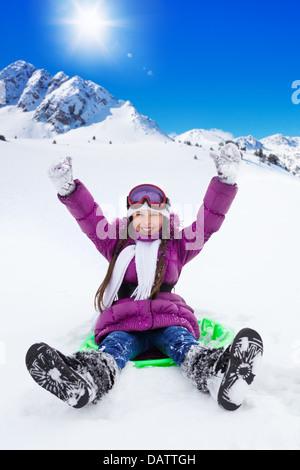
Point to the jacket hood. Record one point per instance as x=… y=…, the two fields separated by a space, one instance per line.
x=171 y=227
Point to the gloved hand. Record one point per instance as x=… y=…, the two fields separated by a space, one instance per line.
x=61 y=175
x=227 y=163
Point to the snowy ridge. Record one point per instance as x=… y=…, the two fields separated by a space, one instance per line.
x=14 y=79
x=61 y=104
x=278 y=140
x=56 y=81
x=249 y=142
x=36 y=104
x=74 y=103
x=204 y=138
x=35 y=90
x=287 y=149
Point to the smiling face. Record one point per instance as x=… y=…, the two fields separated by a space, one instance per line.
x=147 y=222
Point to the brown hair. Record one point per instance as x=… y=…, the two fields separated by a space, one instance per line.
x=159 y=274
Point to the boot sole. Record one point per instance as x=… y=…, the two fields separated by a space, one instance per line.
x=245 y=353
x=48 y=370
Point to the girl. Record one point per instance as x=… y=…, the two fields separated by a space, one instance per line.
x=146 y=252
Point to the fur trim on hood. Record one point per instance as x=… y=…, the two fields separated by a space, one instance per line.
x=173 y=225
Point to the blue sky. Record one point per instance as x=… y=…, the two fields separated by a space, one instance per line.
x=186 y=64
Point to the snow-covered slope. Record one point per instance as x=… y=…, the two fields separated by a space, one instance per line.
x=44 y=106
x=279 y=140
x=14 y=79
x=203 y=137
x=75 y=103
x=249 y=142
x=247 y=275
x=287 y=149
x=123 y=124
x=35 y=90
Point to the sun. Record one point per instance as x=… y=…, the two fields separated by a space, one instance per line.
x=89 y=26
x=90 y=22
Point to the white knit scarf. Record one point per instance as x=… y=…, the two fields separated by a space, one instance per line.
x=145 y=253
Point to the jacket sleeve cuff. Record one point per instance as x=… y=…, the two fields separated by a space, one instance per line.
x=80 y=202
x=219 y=196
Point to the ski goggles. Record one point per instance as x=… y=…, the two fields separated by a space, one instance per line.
x=153 y=195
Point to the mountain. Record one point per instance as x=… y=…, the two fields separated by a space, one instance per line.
x=283 y=150
x=250 y=143
x=35 y=90
x=74 y=103
x=14 y=79
x=123 y=124
x=279 y=140
x=37 y=104
x=204 y=138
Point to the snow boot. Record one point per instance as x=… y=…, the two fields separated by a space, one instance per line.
x=78 y=380
x=225 y=373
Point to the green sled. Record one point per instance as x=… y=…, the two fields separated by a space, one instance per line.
x=212 y=334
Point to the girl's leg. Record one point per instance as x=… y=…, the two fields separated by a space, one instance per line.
x=124 y=346
x=78 y=379
x=173 y=341
x=224 y=373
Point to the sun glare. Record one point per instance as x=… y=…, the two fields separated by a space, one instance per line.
x=90 y=22
x=89 y=27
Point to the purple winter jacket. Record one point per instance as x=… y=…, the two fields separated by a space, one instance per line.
x=168 y=309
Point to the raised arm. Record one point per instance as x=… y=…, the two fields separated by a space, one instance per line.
x=81 y=205
x=216 y=203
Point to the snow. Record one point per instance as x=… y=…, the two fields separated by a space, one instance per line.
x=15 y=78
x=246 y=276
x=249 y=142
x=279 y=139
x=119 y=124
x=37 y=105
x=15 y=123
x=286 y=148
x=35 y=90
x=238 y=391
x=206 y=138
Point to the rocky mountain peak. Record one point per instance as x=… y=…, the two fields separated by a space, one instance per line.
x=14 y=79
x=35 y=90
x=61 y=103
